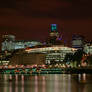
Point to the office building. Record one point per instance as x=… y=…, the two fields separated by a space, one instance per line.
x=21 y=44
x=54 y=38
x=77 y=41
x=8 y=42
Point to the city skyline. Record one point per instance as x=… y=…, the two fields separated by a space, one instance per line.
x=30 y=20
x=36 y=57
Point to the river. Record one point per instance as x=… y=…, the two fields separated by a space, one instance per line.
x=46 y=83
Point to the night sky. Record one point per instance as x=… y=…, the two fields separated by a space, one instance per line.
x=31 y=19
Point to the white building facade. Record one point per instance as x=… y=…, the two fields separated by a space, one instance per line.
x=88 y=48
x=14 y=45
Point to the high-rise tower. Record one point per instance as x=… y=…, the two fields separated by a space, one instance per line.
x=53 y=31
x=53 y=38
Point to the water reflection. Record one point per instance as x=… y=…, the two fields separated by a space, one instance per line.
x=22 y=82
x=46 y=83
x=56 y=83
x=10 y=87
x=16 y=83
x=43 y=84
x=66 y=83
x=36 y=84
x=82 y=77
x=82 y=82
x=5 y=79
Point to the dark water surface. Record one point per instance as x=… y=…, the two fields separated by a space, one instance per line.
x=46 y=83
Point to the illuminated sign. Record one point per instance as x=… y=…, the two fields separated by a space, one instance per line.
x=53 y=27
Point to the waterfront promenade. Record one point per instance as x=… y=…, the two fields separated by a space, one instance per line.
x=45 y=70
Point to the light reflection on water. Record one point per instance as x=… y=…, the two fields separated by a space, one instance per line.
x=46 y=83
x=36 y=83
x=22 y=82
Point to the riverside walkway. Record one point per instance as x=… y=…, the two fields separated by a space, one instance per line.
x=46 y=71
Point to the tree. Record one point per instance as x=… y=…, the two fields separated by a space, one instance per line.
x=78 y=56
x=68 y=57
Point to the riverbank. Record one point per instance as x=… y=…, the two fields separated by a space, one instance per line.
x=46 y=71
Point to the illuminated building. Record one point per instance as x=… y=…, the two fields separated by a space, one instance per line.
x=54 y=31
x=41 y=55
x=88 y=48
x=52 y=53
x=54 y=38
x=8 y=37
x=24 y=44
x=77 y=41
x=8 y=42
